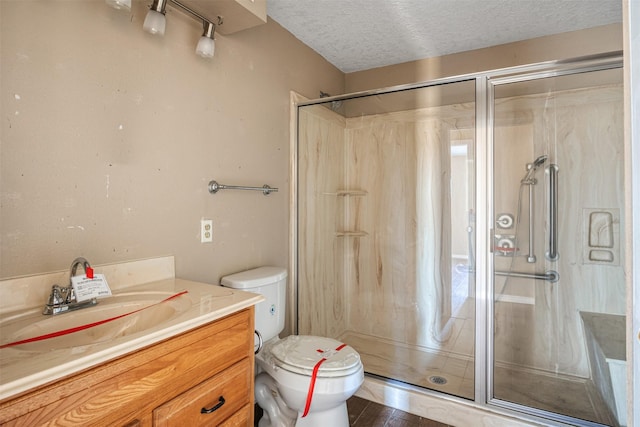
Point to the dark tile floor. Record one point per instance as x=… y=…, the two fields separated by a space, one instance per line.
x=363 y=413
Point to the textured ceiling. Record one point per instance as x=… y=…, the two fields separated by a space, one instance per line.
x=358 y=35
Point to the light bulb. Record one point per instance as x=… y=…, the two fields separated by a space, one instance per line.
x=119 y=4
x=154 y=23
x=206 y=47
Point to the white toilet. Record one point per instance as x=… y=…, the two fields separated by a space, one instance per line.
x=301 y=380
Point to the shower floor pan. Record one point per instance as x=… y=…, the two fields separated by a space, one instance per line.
x=424 y=368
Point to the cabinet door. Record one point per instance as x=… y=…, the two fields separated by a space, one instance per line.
x=223 y=395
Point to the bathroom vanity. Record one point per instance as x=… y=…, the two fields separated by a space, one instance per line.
x=199 y=360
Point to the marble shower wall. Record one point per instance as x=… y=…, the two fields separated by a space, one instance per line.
x=375 y=220
x=322 y=292
x=385 y=250
x=399 y=274
x=581 y=131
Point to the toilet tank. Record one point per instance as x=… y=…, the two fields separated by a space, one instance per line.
x=270 y=282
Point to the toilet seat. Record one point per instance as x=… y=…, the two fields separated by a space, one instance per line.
x=301 y=353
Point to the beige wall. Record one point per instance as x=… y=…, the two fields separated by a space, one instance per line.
x=110 y=136
x=560 y=46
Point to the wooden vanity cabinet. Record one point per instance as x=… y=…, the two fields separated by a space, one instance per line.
x=165 y=384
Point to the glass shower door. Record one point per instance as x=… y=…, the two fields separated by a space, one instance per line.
x=385 y=231
x=558 y=280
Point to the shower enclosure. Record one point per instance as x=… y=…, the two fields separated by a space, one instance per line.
x=463 y=235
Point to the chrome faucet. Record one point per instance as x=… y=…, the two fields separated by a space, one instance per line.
x=63 y=299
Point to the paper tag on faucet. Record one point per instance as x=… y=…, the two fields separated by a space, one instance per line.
x=86 y=288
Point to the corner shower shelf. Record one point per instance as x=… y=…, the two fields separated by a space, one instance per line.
x=351 y=233
x=350 y=193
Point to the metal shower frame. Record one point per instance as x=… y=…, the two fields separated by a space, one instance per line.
x=485 y=82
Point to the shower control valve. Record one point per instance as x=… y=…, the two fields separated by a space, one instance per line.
x=505 y=245
x=504 y=220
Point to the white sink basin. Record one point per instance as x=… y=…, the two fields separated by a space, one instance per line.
x=153 y=311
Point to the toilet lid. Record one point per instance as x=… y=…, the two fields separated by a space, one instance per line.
x=301 y=353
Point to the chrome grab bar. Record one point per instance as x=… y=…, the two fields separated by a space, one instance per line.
x=214 y=187
x=552 y=254
x=550 y=276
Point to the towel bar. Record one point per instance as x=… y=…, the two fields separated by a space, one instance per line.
x=214 y=187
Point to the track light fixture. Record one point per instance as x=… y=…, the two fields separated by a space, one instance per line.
x=155 y=22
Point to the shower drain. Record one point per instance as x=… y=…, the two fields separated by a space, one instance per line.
x=436 y=379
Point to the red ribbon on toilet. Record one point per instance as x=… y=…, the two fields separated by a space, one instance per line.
x=314 y=375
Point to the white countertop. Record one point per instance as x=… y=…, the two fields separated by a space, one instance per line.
x=22 y=370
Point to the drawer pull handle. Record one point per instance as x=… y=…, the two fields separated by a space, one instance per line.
x=214 y=408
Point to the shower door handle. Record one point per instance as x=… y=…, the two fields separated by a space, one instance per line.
x=552 y=254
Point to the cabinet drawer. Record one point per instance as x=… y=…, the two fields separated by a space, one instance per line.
x=232 y=385
x=242 y=418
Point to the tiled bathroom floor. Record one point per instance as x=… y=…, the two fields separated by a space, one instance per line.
x=363 y=413
x=454 y=366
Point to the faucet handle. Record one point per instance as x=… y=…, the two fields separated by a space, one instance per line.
x=55 y=297
x=70 y=295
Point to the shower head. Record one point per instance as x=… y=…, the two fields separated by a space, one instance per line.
x=539 y=161
x=532 y=168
